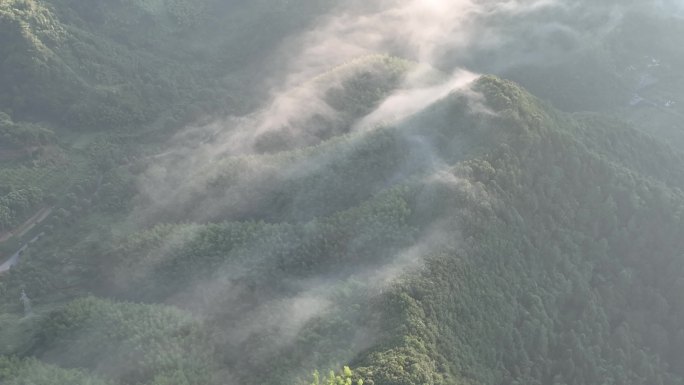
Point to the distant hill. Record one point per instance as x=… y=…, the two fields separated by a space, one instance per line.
x=113 y=64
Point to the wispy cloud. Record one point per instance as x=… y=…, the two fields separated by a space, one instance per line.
x=428 y=32
x=217 y=168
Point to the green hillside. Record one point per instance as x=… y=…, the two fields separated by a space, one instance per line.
x=539 y=272
x=180 y=220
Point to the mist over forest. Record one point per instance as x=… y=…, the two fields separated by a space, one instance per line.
x=318 y=192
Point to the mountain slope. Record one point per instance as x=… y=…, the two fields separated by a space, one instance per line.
x=571 y=277
x=546 y=254
x=123 y=64
x=487 y=238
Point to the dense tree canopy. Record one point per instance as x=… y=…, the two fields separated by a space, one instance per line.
x=488 y=237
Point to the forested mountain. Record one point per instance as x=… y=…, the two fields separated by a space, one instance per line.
x=204 y=192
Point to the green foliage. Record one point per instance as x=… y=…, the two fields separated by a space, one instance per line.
x=127 y=342
x=30 y=371
x=180 y=255
x=120 y=65
x=15 y=136
x=187 y=13
x=350 y=91
x=16 y=204
x=530 y=246
x=553 y=273
x=343 y=378
x=32 y=74
x=546 y=269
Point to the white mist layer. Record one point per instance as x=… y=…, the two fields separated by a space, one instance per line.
x=429 y=32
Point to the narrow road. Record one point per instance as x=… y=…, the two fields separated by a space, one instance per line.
x=14 y=259
x=24 y=228
x=20 y=231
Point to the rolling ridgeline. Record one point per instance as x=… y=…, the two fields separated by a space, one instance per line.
x=488 y=238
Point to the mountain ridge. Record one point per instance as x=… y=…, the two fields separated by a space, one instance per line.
x=487 y=238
